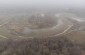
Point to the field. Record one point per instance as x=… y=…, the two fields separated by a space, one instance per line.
x=38 y=33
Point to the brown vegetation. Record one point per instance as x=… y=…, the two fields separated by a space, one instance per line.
x=40 y=46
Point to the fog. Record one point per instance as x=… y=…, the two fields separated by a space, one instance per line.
x=42 y=3
x=42 y=27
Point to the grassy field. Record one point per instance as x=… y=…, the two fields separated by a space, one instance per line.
x=77 y=36
x=15 y=44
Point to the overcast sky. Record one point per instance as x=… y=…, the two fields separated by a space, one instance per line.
x=78 y=3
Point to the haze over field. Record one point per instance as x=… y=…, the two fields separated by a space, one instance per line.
x=42 y=27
